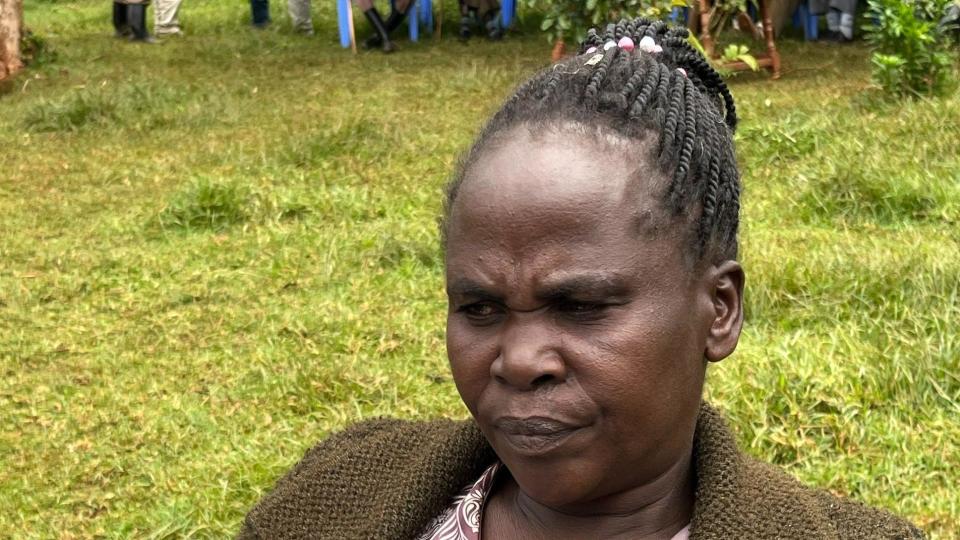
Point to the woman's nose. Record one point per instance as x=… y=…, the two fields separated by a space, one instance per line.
x=529 y=355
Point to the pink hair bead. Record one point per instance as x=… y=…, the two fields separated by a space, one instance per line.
x=591 y=50
x=682 y=72
x=626 y=43
x=647 y=44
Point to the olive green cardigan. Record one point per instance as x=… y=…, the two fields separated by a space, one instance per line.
x=386 y=479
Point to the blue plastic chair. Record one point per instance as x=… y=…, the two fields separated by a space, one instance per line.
x=809 y=22
x=421 y=12
x=680 y=12
x=508 y=12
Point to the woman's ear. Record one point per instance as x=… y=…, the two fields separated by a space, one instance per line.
x=726 y=284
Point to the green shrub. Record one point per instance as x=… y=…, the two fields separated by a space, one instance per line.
x=35 y=50
x=910 y=58
x=569 y=20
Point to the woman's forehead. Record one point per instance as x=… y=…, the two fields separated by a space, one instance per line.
x=543 y=182
x=550 y=168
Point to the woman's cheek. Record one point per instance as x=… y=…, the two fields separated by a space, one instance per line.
x=471 y=354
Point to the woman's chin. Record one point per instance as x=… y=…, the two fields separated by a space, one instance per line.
x=555 y=483
x=551 y=490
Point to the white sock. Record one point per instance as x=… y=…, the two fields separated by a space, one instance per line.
x=833 y=20
x=846 y=25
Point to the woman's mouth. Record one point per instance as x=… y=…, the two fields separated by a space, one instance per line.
x=534 y=435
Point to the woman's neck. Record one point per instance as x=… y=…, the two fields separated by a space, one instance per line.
x=656 y=510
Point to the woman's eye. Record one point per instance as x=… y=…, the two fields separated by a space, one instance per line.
x=581 y=310
x=479 y=311
x=578 y=307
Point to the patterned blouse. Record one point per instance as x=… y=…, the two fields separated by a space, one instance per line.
x=461 y=520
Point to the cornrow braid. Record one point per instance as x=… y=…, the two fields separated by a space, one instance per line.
x=667 y=89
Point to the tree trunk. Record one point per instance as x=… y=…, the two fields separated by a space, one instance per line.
x=11 y=30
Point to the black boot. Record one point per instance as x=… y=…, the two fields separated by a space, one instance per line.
x=137 y=18
x=491 y=22
x=120 y=26
x=394 y=20
x=467 y=22
x=380 y=30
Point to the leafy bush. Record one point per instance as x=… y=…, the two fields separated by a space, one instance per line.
x=569 y=20
x=35 y=50
x=910 y=58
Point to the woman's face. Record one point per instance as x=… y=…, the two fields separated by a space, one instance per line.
x=577 y=333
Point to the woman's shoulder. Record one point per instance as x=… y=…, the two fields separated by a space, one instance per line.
x=345 y=484
x=741 y=496
x=794 y=503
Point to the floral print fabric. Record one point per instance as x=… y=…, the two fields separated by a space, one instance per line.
x=461 y=520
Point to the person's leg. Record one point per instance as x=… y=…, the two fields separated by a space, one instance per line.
x=379 y=27
x=260 y=11
x=120 y=26
x=491 y=18
x=846 y=21
x=398 y=13
x=833 y=21
x=468 y=18
x=166 y=17
x=394 y=20
x=300 y=16
x=842 y=12
x=137 y=19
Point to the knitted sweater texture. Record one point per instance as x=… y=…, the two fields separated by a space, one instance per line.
x=385 y=479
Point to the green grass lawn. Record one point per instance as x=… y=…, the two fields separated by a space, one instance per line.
x=216 y=250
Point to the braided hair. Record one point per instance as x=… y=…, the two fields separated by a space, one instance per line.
x=671 y=92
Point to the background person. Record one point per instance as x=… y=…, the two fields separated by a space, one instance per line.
x=484 y=14
x=166 y=20
x=130 y=20
x=299 y=11
x=840 y=16
x=260 y=13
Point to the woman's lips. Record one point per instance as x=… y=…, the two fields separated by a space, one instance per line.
x=534 y=435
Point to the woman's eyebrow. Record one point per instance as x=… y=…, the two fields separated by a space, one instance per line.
x=594 y=284
x=468 y=288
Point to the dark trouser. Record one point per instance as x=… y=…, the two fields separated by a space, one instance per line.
x=120 y=19
x=261 y=11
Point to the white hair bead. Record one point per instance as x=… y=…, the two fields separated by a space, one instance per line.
x=647 y=44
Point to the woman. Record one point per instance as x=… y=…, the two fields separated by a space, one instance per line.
x=591 y=245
